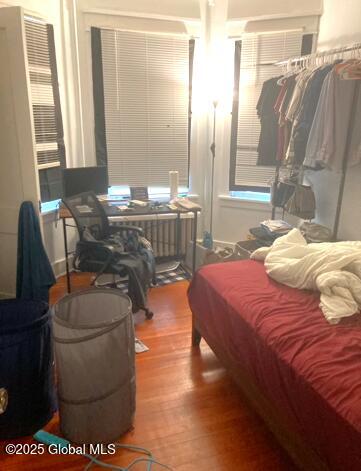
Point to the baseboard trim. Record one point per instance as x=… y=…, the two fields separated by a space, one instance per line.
x=59 y=266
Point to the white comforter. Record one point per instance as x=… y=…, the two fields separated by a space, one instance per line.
x=333 y=268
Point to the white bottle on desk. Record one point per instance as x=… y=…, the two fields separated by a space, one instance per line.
x=173 y=184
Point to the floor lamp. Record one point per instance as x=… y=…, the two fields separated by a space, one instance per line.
x=208 y=237
x=213 y=152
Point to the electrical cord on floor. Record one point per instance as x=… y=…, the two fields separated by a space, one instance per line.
x=150 y=460
x=50 y=439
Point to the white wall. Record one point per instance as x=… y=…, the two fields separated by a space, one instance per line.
x=340 y=25
x=54 y=240
x=247 y=9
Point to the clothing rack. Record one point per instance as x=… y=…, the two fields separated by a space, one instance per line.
x=304 y=60
x=312 y=59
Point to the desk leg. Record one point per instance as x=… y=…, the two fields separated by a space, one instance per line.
x=195 y=223
x=178 y=235
x=66 y=257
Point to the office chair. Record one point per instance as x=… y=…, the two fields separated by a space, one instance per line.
x=106 y=249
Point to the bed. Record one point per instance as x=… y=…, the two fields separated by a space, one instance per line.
x=302 y=374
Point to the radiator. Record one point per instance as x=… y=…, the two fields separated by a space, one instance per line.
x=161 y=231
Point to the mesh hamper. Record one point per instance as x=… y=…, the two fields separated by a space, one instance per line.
x=95 y=363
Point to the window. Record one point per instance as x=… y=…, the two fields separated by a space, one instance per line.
x=255 y=56
x=45 y=101
x=142 y=94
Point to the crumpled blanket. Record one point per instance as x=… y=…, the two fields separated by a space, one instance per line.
x=332 y=268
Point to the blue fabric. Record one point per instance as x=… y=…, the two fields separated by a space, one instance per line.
x=35 y=275
x=26 y=367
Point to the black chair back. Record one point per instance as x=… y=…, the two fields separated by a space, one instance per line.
x=89 y=214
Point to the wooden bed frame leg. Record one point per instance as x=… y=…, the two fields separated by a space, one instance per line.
x=196 y=336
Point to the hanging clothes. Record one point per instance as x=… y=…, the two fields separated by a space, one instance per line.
x=294 y=110
x=268 y=141
x=284 y=127
x=329 y=130
x=303 y=123
x=305 y=118
x=300 y=85
x=318 y=114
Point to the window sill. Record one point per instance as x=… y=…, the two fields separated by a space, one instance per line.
x=261 y=197
x=155 y=193
x=244 y=203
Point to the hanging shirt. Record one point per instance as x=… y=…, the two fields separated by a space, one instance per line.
x=267 y=146
x=354 y=156
x=294 y=108
x=330 y=128
x=301 y=82
x=281 y=105
x=304 y=120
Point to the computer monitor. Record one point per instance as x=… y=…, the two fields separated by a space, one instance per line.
x=81 y=179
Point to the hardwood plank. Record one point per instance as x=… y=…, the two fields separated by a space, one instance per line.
x=190 y=413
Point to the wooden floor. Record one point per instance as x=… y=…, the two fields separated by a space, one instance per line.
x=189 y=412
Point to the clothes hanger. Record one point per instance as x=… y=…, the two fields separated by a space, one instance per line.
x=288 y=73
x=344 y=69
x=352 y=68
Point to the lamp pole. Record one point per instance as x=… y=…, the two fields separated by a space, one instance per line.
x=213 y=152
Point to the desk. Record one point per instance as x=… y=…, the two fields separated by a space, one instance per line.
x=112 y=211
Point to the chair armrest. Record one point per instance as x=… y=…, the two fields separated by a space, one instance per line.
x=94 y=250
x=101 y=247
x=95 y=244
x=117 y=229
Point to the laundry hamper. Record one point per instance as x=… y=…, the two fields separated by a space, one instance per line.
x=27 y=396
x=95 y=364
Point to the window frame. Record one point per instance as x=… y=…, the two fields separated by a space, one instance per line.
x=306 y=48
x=99 y=99
x=47 y=171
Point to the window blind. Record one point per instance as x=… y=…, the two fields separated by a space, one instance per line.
x=254 y=66
x=42 y=95
x=146 y=107
x=48 y=126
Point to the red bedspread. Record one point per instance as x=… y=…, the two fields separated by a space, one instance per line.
x=309 y=369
